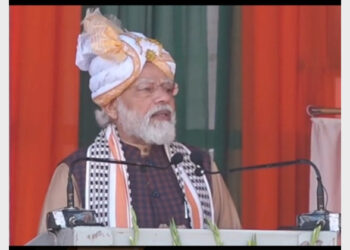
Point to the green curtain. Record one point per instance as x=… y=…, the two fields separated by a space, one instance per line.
x=183 y=32
x=229 y=97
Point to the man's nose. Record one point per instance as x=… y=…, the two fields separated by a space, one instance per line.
x=161 y=95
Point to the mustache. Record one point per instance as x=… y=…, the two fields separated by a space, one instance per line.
x=158 y=109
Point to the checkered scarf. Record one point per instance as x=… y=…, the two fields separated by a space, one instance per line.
x=195 y=188
x=103 y=178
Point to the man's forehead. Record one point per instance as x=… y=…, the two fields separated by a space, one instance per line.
x=143 y=80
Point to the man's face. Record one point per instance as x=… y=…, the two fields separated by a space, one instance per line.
x=146 y=110
x=151 y=88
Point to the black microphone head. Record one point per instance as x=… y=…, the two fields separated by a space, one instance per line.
x=176 y=159
x=196 y=158
x=199 y=171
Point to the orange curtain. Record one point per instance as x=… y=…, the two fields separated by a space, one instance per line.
x=290 y=59
x=44 y=98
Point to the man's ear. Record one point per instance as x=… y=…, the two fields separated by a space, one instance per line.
x=176 y=89
x=111 y=110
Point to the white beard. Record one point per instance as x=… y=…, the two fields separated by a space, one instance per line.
x=151 y=132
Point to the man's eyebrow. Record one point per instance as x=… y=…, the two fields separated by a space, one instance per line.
x=144 y=80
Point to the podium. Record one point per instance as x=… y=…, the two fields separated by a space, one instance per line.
x=107 y=236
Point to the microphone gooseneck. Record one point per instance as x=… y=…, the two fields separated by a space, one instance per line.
x=75 y=216
x=175 y=159
x=199 y=171
x=70 y=191
x=320 y=187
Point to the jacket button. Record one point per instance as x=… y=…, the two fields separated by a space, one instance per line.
x=155 y=194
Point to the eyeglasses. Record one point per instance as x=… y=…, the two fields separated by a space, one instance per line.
x=147 y=87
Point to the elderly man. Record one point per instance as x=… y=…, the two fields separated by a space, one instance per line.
x=132 y=80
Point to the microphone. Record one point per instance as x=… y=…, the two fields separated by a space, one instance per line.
x=72 y=216
x=197 y=159
x=176 y=159
x=305 y=221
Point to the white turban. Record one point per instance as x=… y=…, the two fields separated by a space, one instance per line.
x=115 y=58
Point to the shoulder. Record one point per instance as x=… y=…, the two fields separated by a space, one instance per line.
x=197 y=149
x=79 y=153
